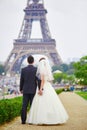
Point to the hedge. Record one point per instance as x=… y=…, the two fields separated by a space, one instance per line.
x=58 y=91
x=9 y=109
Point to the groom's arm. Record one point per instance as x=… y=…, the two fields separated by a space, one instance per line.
x=38 y=82
x=40 y=92
x=21 y=81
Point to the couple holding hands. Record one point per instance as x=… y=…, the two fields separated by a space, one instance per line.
x=45 y=105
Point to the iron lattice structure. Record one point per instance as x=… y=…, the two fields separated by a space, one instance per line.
x=24 y=45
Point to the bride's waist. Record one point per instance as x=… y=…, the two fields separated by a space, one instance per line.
x=47 y=81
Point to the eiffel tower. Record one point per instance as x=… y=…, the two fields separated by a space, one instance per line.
x=24 y=45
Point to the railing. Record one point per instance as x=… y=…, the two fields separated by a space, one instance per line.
x=35 y=40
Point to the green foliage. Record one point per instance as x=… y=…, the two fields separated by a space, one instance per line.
x=9 y=109
x=62 y=67
x=58 y=77
x=64 y=78
x=58 y=91
x=56 y=67
x=81 y=70
x=82 y=94
x=2 y=69
x=71 y=79
x=65 y=68
x=70 y=70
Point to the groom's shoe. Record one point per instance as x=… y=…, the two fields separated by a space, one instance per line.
x=23 y=123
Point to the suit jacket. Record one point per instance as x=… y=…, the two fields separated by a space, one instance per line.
x=28 y=80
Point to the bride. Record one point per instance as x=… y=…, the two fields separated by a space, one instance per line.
x=46 y=107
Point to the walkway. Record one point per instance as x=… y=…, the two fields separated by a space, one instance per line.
x=76 y=108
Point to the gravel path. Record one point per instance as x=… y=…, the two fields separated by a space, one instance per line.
x=76 y=108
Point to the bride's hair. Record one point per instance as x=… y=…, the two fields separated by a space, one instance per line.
x=44 y=68
x=42 y=59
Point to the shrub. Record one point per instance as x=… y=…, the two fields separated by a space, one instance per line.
x=9 y=109
x=58 y=91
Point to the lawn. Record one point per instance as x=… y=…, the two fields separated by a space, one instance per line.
x=82 y=94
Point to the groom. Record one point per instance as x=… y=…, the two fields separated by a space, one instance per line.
x=28 y=85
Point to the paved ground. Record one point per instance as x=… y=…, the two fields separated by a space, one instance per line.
x=76 y=108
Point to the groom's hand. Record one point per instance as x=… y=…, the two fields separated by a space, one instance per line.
x=21 y=91
x=40 y=92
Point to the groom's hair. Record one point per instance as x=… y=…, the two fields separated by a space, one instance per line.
x=30 y=59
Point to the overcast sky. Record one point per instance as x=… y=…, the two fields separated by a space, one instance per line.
x=67 y=20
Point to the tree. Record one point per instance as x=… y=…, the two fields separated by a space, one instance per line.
x=1 y=69
x=58 y=77
x=56 y=67
x=70 y=70
x=65 y=68
x=71 y=79
x=81 y=70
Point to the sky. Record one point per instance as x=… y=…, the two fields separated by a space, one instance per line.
x=67 y=20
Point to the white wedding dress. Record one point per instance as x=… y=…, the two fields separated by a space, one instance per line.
x=47 y=109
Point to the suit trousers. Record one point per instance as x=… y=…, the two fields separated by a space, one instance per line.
x=27 y=99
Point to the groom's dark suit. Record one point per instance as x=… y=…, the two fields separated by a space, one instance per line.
x=28 y=84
